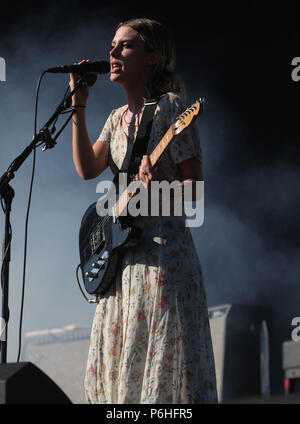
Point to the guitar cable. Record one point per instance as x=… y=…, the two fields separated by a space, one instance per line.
x=80 y=287
x=27 y=219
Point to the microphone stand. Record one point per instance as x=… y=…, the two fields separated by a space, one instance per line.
x=7 y=195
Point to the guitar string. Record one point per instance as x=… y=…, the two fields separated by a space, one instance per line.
x=107 y=217
x=99 y=227
x=103 y=222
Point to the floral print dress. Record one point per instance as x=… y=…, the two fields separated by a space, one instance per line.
x=150 y=338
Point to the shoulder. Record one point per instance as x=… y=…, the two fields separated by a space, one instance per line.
x=111 y=124
x=171 y=102
x=170 y=99
x=115 y=114
x=170 y=105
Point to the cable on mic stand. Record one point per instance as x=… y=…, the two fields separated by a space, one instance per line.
x=45 y=137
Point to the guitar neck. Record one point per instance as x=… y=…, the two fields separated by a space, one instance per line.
x=127 y=195
x=162 y=145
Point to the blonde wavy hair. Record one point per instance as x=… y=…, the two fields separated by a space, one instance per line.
x=156 y=37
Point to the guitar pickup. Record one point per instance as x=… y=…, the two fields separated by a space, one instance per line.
x=97 y=239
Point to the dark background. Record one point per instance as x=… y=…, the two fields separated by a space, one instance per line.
x=238 y=56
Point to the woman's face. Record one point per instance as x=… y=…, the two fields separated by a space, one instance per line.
x=128 y=58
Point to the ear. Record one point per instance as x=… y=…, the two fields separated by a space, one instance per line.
x=153 y=58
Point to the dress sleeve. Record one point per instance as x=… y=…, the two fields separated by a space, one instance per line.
x=106 y=133
x=185 y=145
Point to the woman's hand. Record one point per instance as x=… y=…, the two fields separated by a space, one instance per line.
x=146 y=174
x=82 y=94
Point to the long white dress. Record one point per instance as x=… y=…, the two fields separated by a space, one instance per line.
x=150 y=338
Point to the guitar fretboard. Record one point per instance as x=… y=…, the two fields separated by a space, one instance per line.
x=127 y=195
x=162 y=145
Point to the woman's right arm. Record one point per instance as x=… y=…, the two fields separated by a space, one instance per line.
x=89 y=160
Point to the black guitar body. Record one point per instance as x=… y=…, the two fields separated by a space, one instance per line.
x=101 y=244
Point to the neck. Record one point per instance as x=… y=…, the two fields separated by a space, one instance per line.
x=136 y=96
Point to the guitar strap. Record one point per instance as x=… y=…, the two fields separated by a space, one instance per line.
x=140 y=144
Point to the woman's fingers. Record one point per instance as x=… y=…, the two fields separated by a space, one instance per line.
x=145 y=171
x=74 y=76
x=81 y=95
x=146 y=164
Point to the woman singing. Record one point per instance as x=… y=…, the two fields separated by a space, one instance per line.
x=150 y=339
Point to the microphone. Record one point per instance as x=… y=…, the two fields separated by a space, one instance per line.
x=101 y=67
x=90 y=71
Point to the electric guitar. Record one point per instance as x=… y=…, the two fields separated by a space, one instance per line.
x=103 y=239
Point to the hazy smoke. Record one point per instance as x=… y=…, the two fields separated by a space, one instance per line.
x=245 y=254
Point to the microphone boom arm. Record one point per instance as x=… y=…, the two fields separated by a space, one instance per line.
x=42 y=135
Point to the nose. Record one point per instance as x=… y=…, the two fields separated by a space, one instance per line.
x=114 y=51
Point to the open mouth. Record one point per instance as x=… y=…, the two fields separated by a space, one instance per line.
x=115 y=67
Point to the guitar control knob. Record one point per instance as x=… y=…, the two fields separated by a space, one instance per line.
x=91 y=275
x=96 y=265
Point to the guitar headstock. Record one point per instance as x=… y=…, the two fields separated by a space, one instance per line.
x=188 y=115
